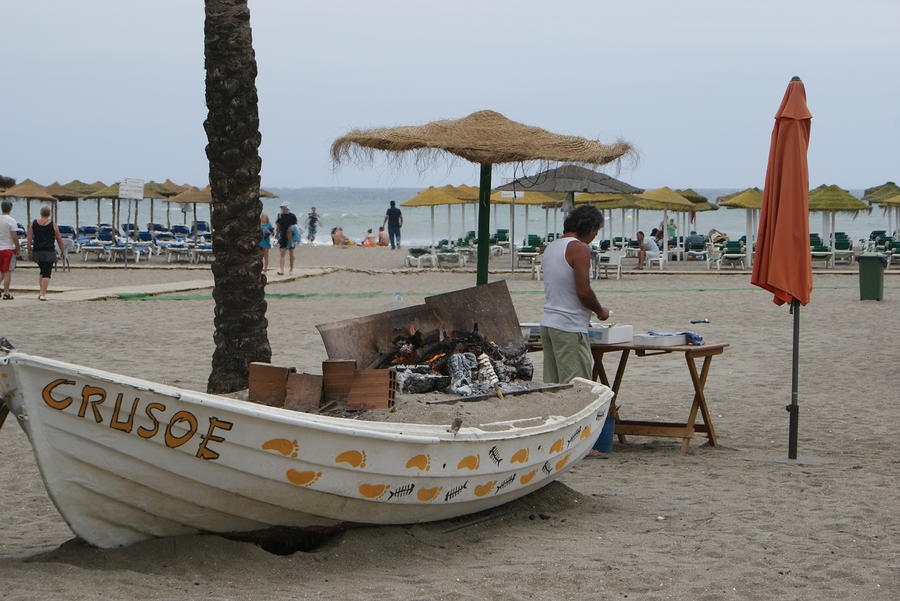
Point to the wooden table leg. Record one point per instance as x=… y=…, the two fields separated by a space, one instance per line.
x=599 y=373
x=699 y=382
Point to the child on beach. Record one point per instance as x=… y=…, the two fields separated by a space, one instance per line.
x=267 y=229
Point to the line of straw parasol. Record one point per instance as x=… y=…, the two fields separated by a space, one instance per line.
x=831 y=200
x=486 y=138
x=29 y=190
x=878 y=193
x=435 y=197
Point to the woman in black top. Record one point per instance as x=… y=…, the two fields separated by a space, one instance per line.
x=43 y=236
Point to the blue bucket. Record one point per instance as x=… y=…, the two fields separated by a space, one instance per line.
x=605 y=440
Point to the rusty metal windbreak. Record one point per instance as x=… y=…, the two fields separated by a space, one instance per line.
x=369 y=339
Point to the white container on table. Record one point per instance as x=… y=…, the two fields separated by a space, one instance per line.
x=614 y=334
x=650 y=340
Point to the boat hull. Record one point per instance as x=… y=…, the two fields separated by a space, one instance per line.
x=125 y=460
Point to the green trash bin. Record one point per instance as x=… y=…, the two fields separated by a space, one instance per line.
x=871 y=276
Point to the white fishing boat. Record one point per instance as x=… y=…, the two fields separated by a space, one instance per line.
x=126 y=460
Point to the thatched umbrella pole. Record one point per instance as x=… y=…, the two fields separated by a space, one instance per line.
x=28 y=209
x=77 y=215
x=98 y=213
x=484 y=224
x=432 y=226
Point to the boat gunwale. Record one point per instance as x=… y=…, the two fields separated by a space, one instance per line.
x=391 y=431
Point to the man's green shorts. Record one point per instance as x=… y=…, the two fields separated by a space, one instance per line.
x=567 y=355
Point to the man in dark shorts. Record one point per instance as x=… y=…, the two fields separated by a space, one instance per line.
x=312 y=224
x=394 y=221
x=283 y=224
x=9 y=246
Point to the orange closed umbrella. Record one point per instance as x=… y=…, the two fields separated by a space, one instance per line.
x=783 y=264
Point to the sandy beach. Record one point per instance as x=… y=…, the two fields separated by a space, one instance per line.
x=732 y=522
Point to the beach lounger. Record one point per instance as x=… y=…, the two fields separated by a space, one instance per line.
x=822 y=253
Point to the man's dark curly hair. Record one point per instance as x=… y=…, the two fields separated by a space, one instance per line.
x=583 y=220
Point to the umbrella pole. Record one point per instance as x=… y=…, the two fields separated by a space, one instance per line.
x=512 y=233
x=527 y=231
x=77 y=216
x=432 y=225
x=484 y=224
x=28 y=209
x=98 y=213
x=135 y=234
x=794 y=407
x=449 y=224
x=546 y=222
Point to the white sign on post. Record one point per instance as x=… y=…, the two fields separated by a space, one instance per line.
x=509 y=193
x=131 y=188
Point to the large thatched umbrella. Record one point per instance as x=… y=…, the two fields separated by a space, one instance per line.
x=435 y=197
x=831 y=200
x=749 y=199
x=486 y=138
x=29 y=190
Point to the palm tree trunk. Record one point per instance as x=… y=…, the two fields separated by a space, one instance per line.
x=232 y=128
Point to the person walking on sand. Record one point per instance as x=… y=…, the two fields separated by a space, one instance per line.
x=569 y=300
x=265 y=243
x=283 y=224
x=9 y=246
x=43 y=238
x=312 y=225
x=393 y=219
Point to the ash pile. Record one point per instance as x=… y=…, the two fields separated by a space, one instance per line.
x=466 y=342
x=463 y=363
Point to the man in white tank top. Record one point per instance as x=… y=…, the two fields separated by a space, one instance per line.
x=568 y=298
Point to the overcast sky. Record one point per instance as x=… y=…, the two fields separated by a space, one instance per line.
x=105 y=89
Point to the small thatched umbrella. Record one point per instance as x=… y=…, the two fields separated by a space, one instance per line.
x=527 y=199
x=435 y=197
x=193 y=196
x=60 y=192
x=29 y=190
x=610 y=202
x=111 y=193
x=83 y=190
x=571 y=180
x=266 y=194
x=749 y=199
x=878 y=193
x=487 y=138
x=830 y=200
x=664 y=199
x=892 y=203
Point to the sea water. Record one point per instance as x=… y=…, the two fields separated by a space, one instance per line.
x=358 y=209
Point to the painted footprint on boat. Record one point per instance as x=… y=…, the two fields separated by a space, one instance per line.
x=471 y=462
x=302 y=478
x=428 y=494
x=288 y=448
x=423 y=462
x=354 y=458
x=372 y=491
x=528 y=477
x=520 y=456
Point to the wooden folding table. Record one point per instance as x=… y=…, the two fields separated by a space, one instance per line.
x=698 y=377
